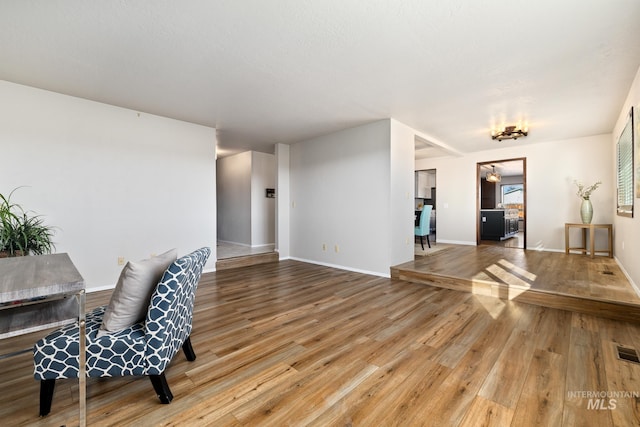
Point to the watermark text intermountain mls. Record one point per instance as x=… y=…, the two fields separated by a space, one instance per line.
x=602 y=400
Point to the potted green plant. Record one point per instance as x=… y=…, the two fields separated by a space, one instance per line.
x=22 y=232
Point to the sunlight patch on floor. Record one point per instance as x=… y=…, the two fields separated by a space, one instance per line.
x=502 y=280
x=521 y=271
x=507 y=277
x=493 y=306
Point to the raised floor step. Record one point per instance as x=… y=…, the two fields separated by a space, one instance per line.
x=246 y=260
x=574 y=283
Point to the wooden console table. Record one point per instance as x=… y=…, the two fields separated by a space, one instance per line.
x=41 y=292
x=591 y=250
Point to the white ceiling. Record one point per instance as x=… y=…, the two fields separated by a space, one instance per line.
x=268 y=71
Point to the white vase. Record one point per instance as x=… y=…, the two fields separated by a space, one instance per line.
x=586 y=211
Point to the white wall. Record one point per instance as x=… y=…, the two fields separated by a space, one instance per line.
x=234 y=198
x=263 y=209
x=115 y=182
x=283 y=201
x=401 y=200
x=551 y=199
x=627 y=230
x=341 y=196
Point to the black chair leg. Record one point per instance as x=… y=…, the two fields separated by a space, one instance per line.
x=159 y=382
x=161 y=387
x=46 y=396
x=422 y=243
x=188 y=350
x=428 y=242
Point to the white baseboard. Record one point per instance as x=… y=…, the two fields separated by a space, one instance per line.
x=235 y=243
x=100 y=288
x=633 y=285
x=246 y=245
x=455 y=242
x=342 y=267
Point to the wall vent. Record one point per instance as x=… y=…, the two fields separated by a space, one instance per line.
x=628 y=354
x=607 y=271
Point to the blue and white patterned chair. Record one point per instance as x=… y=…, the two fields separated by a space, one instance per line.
x=146 y=348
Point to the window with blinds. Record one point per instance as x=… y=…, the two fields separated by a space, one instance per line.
x=625 y=169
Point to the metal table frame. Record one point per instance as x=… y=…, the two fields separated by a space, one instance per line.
x=41 y=292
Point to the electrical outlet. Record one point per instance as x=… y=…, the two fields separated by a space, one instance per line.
x=337 y=248
x=324 y=246
x=120 y=260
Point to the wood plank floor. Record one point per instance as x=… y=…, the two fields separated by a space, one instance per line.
x=572 y=282
x=291 y=343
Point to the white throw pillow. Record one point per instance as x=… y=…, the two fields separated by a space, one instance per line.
x=132 y=295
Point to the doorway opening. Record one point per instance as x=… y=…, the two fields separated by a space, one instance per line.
x=501 y=203
x=246 y=214
x=425 y=212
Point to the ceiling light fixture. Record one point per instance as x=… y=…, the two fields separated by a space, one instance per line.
x=510 y=132
x=493 y=176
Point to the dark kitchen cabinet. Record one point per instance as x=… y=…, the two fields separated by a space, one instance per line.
x=487 y=194
x=497 y=224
